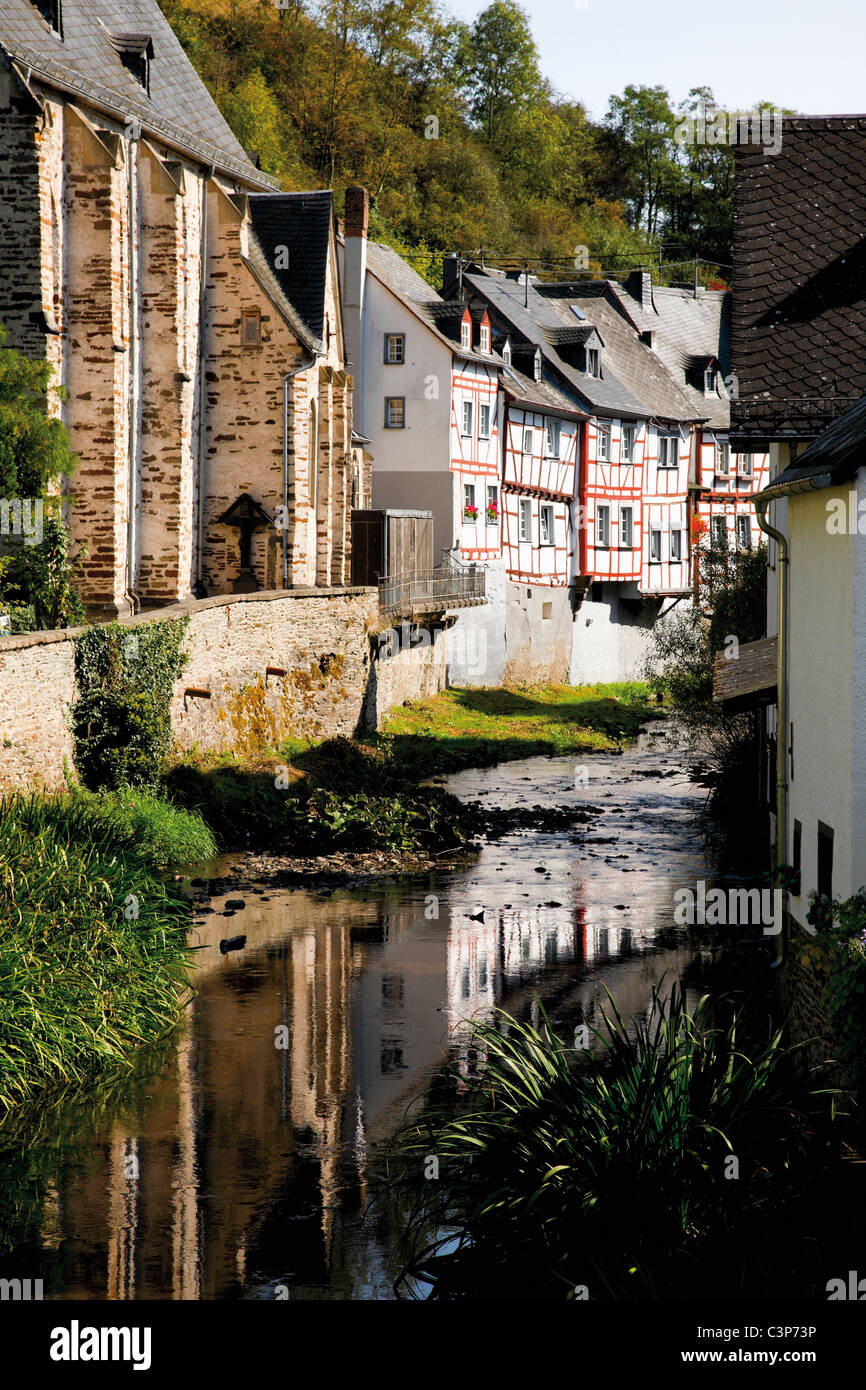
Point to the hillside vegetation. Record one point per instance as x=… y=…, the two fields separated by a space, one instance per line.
x=461 y=141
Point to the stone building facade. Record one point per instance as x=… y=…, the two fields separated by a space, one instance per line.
x=129 y=258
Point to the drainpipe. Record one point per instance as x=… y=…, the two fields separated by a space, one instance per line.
x=207 y=175
x=133 y=133
x=304 y=367
x=761 y=505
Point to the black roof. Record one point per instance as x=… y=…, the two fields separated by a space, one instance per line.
x=86 y=64
x=799 y=312
x=833 y=458
x=300 y=223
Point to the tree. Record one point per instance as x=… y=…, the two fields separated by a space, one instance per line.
x=645 y=122
x=504 y=76
x=36 y=574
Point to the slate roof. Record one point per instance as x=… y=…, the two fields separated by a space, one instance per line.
x=834 y=457
x=300 y=222
x=799 y=317
x=441 y=316
x=539 y=395
x=634 y=384
x=687 y=331
x=85 y=63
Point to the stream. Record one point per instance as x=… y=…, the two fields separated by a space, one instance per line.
x=238 y=1163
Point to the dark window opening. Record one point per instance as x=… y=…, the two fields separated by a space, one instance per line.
x=135 y=51
x=595 y=592
x=50 y=12
x=796 y=858
x=825 y=860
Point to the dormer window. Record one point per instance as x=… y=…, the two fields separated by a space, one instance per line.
x=466 y=335
x=593 y=362
x=485 y=337
x=648 y=337
x=506 y=352
x=710 y=379
x=136 y=54
x=536 y=365
x=50 y=12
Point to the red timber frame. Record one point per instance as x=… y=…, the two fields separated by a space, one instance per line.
x=665 y=509
x=613 y=484
x=728 y=496
x=474 y=460
x=541 y=480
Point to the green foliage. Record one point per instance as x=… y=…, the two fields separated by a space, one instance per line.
x=36 y=579
x=733 y=603
x=838 y=953
x=606 y=1167
x=121 y=722
x=92 y=940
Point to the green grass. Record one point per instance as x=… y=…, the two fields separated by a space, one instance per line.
x=476 y=727
x=93 y=961
x=608 y=1169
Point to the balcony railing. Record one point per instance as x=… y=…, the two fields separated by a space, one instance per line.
x=431 y=591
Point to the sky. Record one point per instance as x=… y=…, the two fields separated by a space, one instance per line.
x=797 y=54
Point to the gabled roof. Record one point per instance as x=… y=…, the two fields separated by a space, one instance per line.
x=833 y=458
x=441 y=316
x=634 y=384
x=86 y=63
x=799 y=319
x=299 y=226
x=523 y=390
x=688 y=330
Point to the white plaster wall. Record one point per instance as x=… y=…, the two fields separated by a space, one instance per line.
x=821 y=622
x=476 y=643
x=610 y=642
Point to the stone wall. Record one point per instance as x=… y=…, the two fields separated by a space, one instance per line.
x=329 y=675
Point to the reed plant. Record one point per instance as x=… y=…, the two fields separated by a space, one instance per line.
x=628 y=1170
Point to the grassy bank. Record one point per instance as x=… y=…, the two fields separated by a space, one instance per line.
x=363 y=794
x=92 y=940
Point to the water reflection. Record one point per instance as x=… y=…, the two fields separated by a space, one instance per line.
x=242 y=1169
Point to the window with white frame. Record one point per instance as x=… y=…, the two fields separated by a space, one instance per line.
x=465 y=334
x=593 y=362
x=745 y=466
x=492 y=504
x=470 y=511
x=527 y=441
x=485 y=337
x=484 y=422
x=602 y=447
x=626 y=448
x=506 y=352
x=626 y=529
x=710 y=379
x=602 y=525
x=536 y=365
x=525 y=510
x=655 y=552
x=723 y=459
x=395 y=349
x=545 y=524
x=668 y=451
x=676 y=543
x=744 y=532
x=719 y=532
x=395 y=412
x=467 y=418
x=551 y=436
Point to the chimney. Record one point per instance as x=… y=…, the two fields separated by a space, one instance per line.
x=357 y=212
x=450 y=274
x=639 y=285
x=356 y=219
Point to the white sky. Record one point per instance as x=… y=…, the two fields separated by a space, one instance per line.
x=801 y=54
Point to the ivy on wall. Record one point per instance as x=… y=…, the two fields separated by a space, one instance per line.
x=121 y=722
